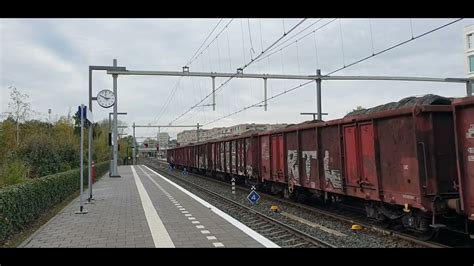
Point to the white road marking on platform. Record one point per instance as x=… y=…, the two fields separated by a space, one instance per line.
x=315 y=225
x=191 y=218
x=196 y=222
x=181 y=209
x=200 y=226
x=211 y=237
x=259 y=238
x=184 y=212
x=160 y=235
x=188 y=214
x=218 y=244
x=205 y=232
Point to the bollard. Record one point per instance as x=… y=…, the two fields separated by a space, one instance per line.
x=94 y=173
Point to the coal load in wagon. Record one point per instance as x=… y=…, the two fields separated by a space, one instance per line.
x=429 y=99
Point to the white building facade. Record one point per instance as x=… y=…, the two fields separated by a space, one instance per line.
x=190 y=136
x=469 y=53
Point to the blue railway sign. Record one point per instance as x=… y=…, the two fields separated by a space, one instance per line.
x=253 y=197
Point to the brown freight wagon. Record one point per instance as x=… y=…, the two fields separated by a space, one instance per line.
x=399 y=154
x=238 y=157
x=464 y=127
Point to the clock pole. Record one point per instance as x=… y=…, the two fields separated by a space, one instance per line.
x=115 y=135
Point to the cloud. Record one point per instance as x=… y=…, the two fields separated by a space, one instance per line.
x=49 y=58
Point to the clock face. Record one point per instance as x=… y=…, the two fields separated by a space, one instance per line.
x=106 y=98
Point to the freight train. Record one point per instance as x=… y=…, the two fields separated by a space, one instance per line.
x=410 y=161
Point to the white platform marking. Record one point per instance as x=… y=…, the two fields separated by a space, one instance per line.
x=259 y=238
x=205 y=232
x=218 y=244
x=200 y=226
x=211 y=237
x=184 y=212
x=160 y=235
x=188 y=214
x=191 y=218
x=195 y=222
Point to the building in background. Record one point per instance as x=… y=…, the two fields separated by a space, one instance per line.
x=469 y=53
x=163 y=141
x=147 y=148
x=190 y=136
x=173 y=144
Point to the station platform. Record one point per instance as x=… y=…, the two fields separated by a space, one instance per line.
x=143 y=208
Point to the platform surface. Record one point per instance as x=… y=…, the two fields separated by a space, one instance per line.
x=144 y=209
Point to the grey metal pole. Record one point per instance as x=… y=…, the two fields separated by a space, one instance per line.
x=265 y=93
x=89 y=146
x=159 y=144
x=213 y=93
x=111 y=147
x=134 y=146
x=81 y=206
x=115 y=137
x=318 y=94
x=197 y=133
x=82 y=156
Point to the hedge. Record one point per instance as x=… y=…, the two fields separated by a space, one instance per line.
x=23 y=203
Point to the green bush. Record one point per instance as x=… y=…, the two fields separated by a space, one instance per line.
x=21 y=204
x=48 y=156
x=13 y=173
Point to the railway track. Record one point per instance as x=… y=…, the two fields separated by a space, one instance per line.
x=281 y=234
x=349 y=217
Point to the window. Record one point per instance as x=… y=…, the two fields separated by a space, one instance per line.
x=470 y=41
x=471 y=63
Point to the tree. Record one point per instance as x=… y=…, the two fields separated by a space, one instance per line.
x=18 y=109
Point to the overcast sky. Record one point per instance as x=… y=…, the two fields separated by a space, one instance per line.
x=48 y=59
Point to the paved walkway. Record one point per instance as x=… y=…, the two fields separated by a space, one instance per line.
x=144 y=209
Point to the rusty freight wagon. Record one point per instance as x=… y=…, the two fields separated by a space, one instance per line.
x=463 y=110
x=397 y=159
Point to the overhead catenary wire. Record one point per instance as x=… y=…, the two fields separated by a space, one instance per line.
x=208 y=45
x=242 y=68
x=260 y=102
x=316 y=51
x=394 y=46
x=209 y=35
x=371 y=36
x=194 y=57
x=356 y=62
x=294 y=36
x=286 y=46
x=342 y=43
x=252 y=51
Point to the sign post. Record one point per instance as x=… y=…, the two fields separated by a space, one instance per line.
x=233 y=186
x=82 y=113
x=253 y=197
